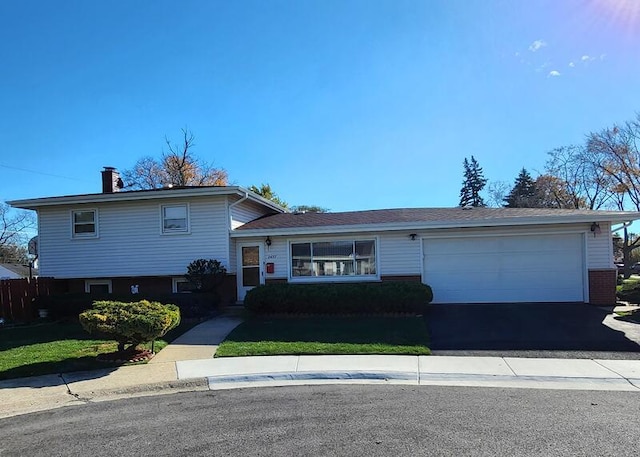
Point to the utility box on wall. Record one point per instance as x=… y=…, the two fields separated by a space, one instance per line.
x=271 y=268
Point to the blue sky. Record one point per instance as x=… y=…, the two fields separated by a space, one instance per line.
x=344 y=104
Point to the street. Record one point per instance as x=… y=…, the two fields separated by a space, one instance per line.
x=337 y=420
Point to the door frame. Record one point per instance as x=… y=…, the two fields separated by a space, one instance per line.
x=242 y=290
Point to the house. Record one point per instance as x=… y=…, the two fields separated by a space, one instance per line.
x=114 y=240
x=16 y=271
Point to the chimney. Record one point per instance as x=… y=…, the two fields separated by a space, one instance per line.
x=111 y=181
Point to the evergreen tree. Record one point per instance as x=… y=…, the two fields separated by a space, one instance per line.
x=473 y=184
x=524 y=193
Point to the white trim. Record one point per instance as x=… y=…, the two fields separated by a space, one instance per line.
x=241 y=290
x=186 y=231
x=204 y=191
x=345 y=278
x=84 y=236
x=97 y=282
x=174 y=284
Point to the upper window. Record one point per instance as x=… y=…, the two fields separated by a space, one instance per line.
x=333 y=258
x=84 y=223
x=175 y=219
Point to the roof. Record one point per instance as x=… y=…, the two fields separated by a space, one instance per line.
x=18 y=269
x=151 y=194
x=422 y=218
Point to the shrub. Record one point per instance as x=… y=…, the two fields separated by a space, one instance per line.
x=130 y=323
x=356 y=298
x=205 y=275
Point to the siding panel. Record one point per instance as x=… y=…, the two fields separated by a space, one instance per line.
x=130 y=242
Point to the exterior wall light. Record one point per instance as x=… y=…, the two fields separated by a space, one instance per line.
x=267 y=241
x=595 y=228
x=413 y=236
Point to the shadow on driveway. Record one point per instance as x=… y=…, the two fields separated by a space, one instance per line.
x=563 y=330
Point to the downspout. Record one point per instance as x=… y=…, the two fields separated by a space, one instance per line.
x=246 y=196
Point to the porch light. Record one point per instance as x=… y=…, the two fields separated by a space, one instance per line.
x=267 y=241
x=595 y=228
x=413 y=236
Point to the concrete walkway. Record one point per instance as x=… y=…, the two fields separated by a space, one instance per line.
x=188 y=364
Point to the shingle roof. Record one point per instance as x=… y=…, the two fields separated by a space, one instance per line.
x=428 y=216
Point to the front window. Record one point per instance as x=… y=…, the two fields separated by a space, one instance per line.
x=333 y=258
x=175 y=219
x=84 y=223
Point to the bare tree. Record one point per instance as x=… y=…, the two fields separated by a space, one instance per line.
x=615 y=152
x=14 y=228
x=497 y=191
x=177 y=166
x=579 y=181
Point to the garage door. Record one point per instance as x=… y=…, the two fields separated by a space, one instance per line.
x=501 y=269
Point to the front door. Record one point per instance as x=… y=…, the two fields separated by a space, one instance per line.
x=250 y=272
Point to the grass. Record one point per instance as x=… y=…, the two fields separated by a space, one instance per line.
x=327 y=335
x=629 y=290
x=59 y=347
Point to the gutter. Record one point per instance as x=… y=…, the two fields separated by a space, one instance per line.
x=246 y=196
x=624 y=225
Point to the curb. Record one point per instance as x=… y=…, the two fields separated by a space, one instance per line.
x=179 y=385
x=421 y=379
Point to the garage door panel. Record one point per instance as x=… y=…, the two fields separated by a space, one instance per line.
x=505 y=269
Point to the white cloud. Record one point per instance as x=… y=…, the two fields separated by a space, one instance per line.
x=517 y=54
x=586 y=58
x=571 y=64
x=553 y=73
x=533 y=47
x=602 y=56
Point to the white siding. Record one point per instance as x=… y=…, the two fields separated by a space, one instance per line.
x=600 y=248
x=398 y=255
x=246 y=211
x=130 y=242
x=240 y=214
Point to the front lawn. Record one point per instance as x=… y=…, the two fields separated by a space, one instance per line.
x=629 y=290
x=58 y=347
x=327 y=335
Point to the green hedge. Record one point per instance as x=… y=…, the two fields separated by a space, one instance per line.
x=342 y=298
x=130 y=323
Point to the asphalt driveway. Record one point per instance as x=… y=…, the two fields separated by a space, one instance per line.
x=532 y=330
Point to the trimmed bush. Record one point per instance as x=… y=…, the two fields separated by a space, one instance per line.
x=130 y=323
x=205 y=275
x=342 y=298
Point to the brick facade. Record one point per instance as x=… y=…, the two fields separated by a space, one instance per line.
x=152 y=285
x=602 y=287
x=409 y=278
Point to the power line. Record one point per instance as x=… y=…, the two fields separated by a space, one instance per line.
x=42 y=173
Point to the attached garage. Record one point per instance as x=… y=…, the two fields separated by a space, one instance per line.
x=506 y=268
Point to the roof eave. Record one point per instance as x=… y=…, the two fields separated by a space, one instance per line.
x=36 y=203
x=395 y=226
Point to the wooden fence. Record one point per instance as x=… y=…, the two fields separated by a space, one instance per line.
x=17 y=297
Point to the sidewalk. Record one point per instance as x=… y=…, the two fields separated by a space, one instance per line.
x=188 y=364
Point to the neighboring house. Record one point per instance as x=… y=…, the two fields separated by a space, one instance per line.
x=16 y=271
x=113 y=240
